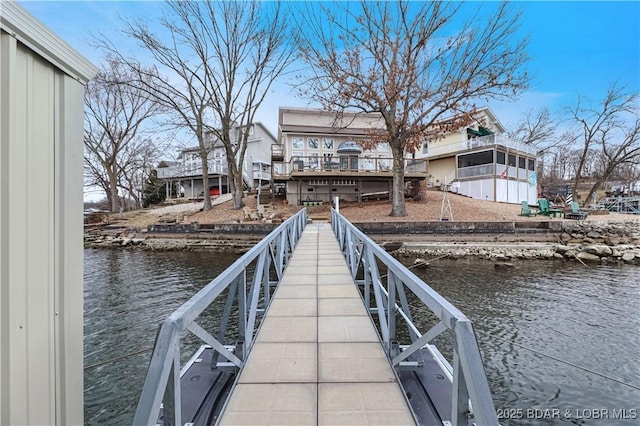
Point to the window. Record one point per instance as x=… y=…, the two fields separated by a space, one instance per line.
x=384 y=163
x=512 y=160
x=532 y=164
x=475 y=159
x=297 y=143
x=425 y=148
x=327 y=144
x=368 y=163
x=522 y=163
x=501 y=158
x=384 y=147
x=312 y=143
x=313 y=160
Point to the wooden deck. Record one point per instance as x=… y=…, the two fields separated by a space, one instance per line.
x=317 y=359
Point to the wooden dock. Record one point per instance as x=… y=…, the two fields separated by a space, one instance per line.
x=317 y=359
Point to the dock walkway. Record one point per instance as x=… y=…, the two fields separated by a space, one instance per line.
x=317 y=359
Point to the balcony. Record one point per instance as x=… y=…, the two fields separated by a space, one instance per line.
x=436 y=150
x=277 y=152
x=182 y=171
x=346 y=165
x=492 y=170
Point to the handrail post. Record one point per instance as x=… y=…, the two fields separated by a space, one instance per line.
x=391 y=309
x=460 y=394
x=172 y=398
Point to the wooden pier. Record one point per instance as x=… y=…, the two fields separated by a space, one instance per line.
x=317 y=358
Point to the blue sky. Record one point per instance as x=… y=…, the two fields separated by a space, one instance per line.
x=576 y=48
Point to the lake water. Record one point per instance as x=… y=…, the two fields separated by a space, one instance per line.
x=554 y=336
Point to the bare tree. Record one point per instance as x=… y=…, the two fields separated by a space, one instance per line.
x=537 y=129
x=114 y=115
x=615 y=154
x=135 y=168
x=540 y=130
x=606 y=128
x=219 y=60
x=412 y=63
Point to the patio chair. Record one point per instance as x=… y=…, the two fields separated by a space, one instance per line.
x=526 y=211
x=576 y=213
x=545 y=206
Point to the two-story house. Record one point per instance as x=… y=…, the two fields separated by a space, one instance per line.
x=187 y=171
x=481 y=162
x=320 y=156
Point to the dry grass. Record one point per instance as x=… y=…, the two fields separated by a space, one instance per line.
x=464 y=209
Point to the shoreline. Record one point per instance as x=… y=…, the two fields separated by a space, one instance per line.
x=584 y=242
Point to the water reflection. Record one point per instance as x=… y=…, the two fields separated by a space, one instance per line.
x=127 y=295
x=549 y=332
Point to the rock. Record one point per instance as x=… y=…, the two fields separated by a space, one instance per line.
x=605 y=251
x=628 y=256
x=587 y=257
x=599 y=250
x=558 y=256
x=562 y=249
x=392 y=246
x=420 y=263
x=503 y=265
x=588 y=240
x=611 y=241
x=565 y=238
x=594 y=235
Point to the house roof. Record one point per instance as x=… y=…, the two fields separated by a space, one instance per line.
x=320 y=130
x=484 y=116
x=258 y=123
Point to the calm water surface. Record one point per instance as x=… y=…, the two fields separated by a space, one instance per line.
x=548 y=331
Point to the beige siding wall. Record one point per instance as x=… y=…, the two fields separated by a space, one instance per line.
x=41 y=240
x=310 y=117
x=442 y=170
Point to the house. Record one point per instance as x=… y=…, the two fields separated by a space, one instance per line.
x=187 y=171
x=479 y=161
x=320 y=156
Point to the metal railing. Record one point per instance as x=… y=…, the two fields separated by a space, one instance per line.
x=464 y=144
x=191 y=169
x=630 y=205
x=346 y=163
x=468 y=376
x=269 y=256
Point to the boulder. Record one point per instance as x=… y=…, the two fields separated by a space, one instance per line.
x=628 y=256
x=588 y=257
x=611 y=241
x=594 y=234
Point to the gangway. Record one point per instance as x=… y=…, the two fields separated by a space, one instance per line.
x=321 y=338
x=628 y=205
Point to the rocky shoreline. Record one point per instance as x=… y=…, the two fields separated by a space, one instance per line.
x=579 y=241
x=585 y=242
